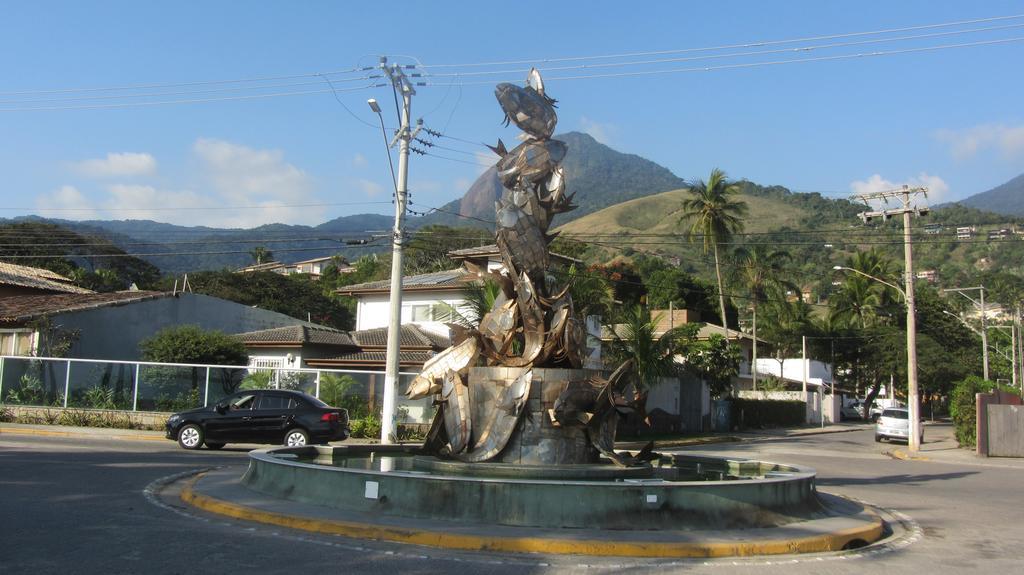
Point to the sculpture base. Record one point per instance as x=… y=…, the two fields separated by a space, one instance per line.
x=536 y=440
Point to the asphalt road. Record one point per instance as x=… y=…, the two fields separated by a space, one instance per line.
x=80 y=505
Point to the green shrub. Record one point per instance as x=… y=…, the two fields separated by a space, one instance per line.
x=257 y=380
x=29 y=392
x=963 y=407
x=368 y=427
x=762 y=413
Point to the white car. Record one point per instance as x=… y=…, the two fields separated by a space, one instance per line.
x=894 y=423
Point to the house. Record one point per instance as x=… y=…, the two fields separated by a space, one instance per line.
x=313 y=268
x=965 y=232
x=428 y=300
x=684 y=403
x=111 y=325
x=311 y=346
x=930 y=276
x=25 y=280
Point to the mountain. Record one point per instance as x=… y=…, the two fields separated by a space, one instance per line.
x=1005 y=199
x=597 y=174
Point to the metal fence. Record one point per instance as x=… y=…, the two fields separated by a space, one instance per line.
x=169 y=387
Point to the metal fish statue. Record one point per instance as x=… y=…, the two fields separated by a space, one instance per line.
x=455 y=358
x=532 y=161
x=457 y=422
x=528 y=107
x=510 y=399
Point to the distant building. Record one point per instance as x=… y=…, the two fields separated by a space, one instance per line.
x=929 y=276
x=313 y=268
x=933 y=229
x=1000 y=234
x=965 y=232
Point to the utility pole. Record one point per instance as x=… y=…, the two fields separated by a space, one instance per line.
x=403 y=136
x=984 y=322
x=904 y=196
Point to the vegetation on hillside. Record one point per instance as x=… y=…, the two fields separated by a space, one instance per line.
x=90 y=262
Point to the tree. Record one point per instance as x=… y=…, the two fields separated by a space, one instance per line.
x=193 y=344
x=297 y=295
x=261 y=255
x=652 y=358
x=714 y=215
x=759 y=272
x=716 y=361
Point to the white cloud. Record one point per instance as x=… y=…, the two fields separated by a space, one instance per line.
x=260 y=183
x=359 y=161
x=938 y=189
x=964 y=144
x=124 y=164
x=67 y=202
x=601 y=132
x=369 y=188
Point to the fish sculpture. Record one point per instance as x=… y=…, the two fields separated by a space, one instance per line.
x=528 y=107
x=456 y=358
x=455 y=406
x=510 y=399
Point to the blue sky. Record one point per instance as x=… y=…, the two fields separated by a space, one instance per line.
x=950 y=119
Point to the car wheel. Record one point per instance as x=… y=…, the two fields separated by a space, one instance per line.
x=214 y=445
x=296 y=438
x=190 y=436
x=878 y=438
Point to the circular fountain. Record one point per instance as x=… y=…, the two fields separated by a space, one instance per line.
x=673 y=492
x=523 y=437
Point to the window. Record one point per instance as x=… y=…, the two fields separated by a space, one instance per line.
x=242 y=402
x=431 y=312
x=269 y=401
x=16 y=342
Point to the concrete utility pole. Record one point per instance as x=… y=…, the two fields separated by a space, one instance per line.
x=984 y=322
x=904 y=195
x=403 y=136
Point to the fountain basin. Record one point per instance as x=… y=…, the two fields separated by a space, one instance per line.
x=678 y=492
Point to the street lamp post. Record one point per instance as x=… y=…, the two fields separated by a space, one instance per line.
x=913 y=405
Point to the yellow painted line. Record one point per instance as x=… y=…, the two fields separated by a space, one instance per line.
x=835 y=541
x=46 y=433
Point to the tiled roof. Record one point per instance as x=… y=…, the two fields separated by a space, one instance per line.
x=36 y=278
x=446 y=279
x=298 y=335
x=412 y=336
x=373 y=358
x=25 y=307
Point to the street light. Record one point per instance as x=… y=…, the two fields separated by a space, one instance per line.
x=913 y=406
x=881 y=281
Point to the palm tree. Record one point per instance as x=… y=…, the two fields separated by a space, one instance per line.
x=652 y=357
x=759 y=271
x=261 y=254
x=714 y=215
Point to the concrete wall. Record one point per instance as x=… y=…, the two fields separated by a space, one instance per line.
x=996 y=408
x=1005 y=431
x=814 y=401
x=686 y=399
x=114 y=332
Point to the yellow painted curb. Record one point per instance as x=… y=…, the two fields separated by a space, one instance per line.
x=903 y=455
x=45 y=433
x=814 y=544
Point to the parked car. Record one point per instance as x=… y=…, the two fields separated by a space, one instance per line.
x=259 y=416
x=855 y=410
x=894 y=423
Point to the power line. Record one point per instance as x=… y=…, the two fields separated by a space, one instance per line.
x=735 y=54
x=188 y=101
x=760 y=64
x=731 y=46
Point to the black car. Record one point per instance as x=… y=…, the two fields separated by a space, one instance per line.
x=259 y=416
